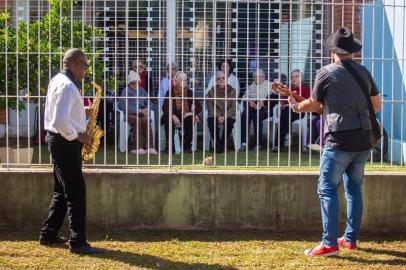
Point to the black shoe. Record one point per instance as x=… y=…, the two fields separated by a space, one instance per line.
x=243 y=147
x=86 y=249
x=59 y=240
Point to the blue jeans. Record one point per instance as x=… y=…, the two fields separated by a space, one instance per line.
x=334 y=165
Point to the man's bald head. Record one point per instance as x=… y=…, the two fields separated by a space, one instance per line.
x=72 y=55
x=75 y=61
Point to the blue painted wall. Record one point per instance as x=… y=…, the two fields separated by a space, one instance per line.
x=381 y=47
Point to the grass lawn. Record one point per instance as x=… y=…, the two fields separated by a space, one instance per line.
x=201 y=250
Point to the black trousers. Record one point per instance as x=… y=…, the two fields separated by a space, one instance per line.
x=255 y=116
x=284 y=124
x=186 y=138
x=69 y=190
x=214 y=131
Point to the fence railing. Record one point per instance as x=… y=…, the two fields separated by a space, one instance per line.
x=259 y=40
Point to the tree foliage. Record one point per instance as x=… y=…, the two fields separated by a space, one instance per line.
x=32 y=52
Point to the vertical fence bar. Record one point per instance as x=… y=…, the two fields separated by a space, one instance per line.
x=17 y=55
x=247 y=48
x=392 y=59
x=6 y=91
x=382 y=59
x=28 y=102
x=171 y=48
x=39 y=55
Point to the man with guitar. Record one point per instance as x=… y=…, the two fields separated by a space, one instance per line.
x=347 y=96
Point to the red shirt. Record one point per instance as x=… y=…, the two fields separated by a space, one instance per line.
x=87 y=102
x=143 y=82
x=304 y=90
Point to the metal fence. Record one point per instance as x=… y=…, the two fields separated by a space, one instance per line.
x=278 y=38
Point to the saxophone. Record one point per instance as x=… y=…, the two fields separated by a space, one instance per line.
x=92 y=129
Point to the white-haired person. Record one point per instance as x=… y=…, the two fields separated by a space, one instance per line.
x=183 y=113
x=255 y=108
x=134 y=102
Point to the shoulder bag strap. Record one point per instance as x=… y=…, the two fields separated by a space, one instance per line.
x=374 y=123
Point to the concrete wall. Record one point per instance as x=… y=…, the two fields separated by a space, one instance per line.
x=195 y=200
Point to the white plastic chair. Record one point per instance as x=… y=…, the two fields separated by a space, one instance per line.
x=124 y=129
x=301 y=122
x=177 y=139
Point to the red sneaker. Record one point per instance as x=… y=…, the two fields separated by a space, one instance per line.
x=322 y=250
x=341 y=241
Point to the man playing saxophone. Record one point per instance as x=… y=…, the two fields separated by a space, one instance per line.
x=65 y=122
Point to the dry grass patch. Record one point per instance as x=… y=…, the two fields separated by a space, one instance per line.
x=201 y=250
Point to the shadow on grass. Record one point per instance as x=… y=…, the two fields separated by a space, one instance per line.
x=397 y=262
x=230 y=235
x=206 y=236
x=394 y=253
x=154 y=262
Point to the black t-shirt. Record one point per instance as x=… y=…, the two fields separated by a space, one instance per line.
x=348 y=140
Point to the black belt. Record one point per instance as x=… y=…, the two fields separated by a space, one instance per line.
x=53 y=134
x=60 y=137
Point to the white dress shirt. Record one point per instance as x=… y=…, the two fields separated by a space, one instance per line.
x=64 y=109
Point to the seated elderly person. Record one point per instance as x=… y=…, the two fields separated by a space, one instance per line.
x=134 y=101
x=183 y=112
x=255 y=108
x=221 y=105
x=287 y=116
x=227 y=67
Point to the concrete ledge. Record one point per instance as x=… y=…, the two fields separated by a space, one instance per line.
x=200 y=199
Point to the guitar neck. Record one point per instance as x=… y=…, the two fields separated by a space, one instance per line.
x=284 y=91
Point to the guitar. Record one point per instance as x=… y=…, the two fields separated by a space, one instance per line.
x=283 y=90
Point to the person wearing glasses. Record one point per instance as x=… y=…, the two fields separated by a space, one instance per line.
x=65 y=122
x=221 y=105
x=227 y=67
